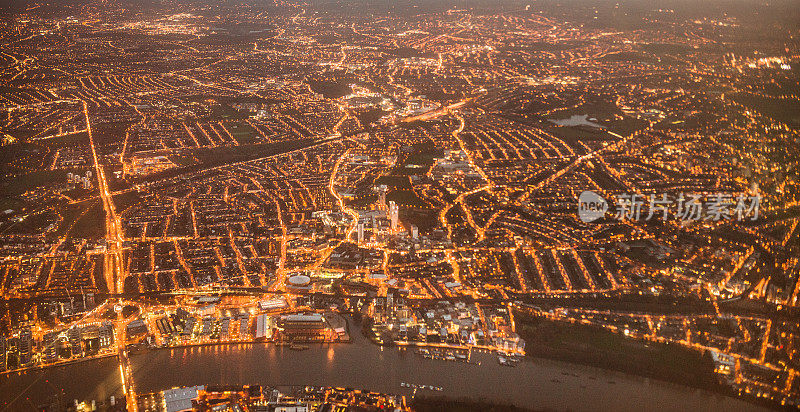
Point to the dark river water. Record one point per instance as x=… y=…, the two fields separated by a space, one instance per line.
x=535 y=383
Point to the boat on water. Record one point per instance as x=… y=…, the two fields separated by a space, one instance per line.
x=295 y=346
x=506 y=361
x=415 y=386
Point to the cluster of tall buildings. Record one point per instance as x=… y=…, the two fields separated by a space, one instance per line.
x=381 y=222
x=384 y=220
x=391 y=208
x=78 y=180
x=22 y=348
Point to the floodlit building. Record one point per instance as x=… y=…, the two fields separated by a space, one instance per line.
x=394 y=214
x=360 y=231
x=180 y=399
x=303 y=328
x=264 y=327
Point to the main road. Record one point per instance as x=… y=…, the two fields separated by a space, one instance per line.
x=113 y=264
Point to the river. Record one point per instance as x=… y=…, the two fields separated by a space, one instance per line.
x=535 y=383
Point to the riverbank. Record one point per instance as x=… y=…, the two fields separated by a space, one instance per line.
x=597 y=347
x=46 y=366
x=594 y=346
x=538 y=384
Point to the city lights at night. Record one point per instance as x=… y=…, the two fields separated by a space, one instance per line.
x=423 y=205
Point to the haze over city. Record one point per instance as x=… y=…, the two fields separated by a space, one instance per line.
x=419 y=206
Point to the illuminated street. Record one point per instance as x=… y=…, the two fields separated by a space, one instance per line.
x=614 y=185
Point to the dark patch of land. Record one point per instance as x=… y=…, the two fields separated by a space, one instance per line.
x=595 y=346
x=331 y=89
x=786 y=111
x=202 y=158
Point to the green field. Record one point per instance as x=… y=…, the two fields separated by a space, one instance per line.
x=243 y=132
